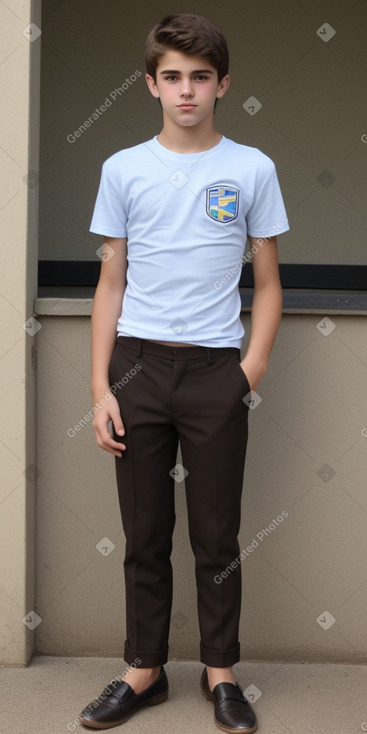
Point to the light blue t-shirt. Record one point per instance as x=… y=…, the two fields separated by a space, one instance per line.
x=186 y=217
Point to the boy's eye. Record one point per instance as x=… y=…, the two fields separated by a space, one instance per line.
x=173 y=77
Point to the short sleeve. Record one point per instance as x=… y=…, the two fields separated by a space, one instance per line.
x=267 y=216
x=109 y=216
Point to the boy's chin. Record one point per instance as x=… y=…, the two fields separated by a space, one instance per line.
x=190 y=120
x=187 y=123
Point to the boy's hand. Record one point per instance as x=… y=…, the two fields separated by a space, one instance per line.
x=109 y=412
x=254 y=373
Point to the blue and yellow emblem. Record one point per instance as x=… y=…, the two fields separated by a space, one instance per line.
x=222 y=203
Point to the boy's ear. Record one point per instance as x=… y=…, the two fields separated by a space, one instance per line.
x=223 y=86
x=152 y=86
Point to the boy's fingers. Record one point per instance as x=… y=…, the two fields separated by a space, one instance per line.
x=118 y=424
x=115 y=416
x=104 y=438
x=106 y=442
x=103 y=435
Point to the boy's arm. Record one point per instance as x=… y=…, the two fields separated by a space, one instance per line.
x=266 y=308
x=105 y=314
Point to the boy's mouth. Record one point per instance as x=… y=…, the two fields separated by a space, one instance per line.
x=186 y=106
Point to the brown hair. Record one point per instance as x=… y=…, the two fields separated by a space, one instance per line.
x=190 y=34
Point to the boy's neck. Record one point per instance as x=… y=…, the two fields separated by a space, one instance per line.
x=194 y=139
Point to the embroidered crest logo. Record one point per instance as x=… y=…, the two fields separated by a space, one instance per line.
x=222 y=203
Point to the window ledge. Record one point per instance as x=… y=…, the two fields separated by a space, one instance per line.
x=59 y=301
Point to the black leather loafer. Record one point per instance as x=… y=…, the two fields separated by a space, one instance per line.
x=118 y=702
x=232 y=711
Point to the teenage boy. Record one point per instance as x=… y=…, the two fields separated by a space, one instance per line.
x=175 y=212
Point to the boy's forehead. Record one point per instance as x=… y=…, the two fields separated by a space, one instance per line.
x=177 y=61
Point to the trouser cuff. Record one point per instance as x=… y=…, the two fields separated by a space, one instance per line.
x=145 y=659
x=220 y=658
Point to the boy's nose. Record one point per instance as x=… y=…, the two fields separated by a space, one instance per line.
x=186 y=89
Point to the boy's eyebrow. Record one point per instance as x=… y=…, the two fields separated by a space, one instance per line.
x=196 y=71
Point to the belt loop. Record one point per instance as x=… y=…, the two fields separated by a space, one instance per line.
x=209 y=356
x=139 y=348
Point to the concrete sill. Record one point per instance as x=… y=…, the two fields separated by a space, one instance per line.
x=78 y=301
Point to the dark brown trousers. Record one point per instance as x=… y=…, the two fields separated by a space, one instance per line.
x=191 y=395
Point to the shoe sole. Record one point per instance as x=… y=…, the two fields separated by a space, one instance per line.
x=234 y=731
x=108 y=725
x=222 y=726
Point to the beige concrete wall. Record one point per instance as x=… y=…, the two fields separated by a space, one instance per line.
x=312 y=121
x=306 y=458
x=19 y=130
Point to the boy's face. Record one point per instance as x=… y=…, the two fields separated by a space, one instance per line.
x=187 y=87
